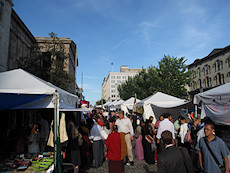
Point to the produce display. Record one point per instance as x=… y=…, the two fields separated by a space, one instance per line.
x=35 y=162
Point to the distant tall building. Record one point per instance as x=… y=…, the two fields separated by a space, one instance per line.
x=210 y=71
x=113 y=80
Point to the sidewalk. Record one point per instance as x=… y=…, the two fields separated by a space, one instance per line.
x=140 y=166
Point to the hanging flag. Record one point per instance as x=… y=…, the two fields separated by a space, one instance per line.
x=134 y=104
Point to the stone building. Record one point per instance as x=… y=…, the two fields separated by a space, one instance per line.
x=210 y=71
x=5 y=18
x=113 y=80
x=17 y=41
x=21 y=41
x=70 y=49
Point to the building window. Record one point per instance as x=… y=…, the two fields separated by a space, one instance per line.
x=199 y=72
x=118 y=81
x=195 y=86
x=228 y=74
x=123 y=77
x=118 y=77
x=112 y=81
x=113 y=86
x=193 y=74
x=200 y=83
x=207 y=69
x=112 y=77
x=219 y=65
x=228 y=61
x=208 y=82
x=214 y=66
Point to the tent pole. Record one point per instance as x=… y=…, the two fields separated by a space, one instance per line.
x=56 y=127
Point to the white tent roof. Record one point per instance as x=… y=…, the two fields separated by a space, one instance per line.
x=130 y=101
x=107 y=103
x=162 y=100
x=21 y=83
x=220 y=94
x=118 y=103
x=112 y=103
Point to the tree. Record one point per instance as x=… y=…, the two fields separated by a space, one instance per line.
x=169 y=77
x=145 y=83
x=49 y=65
x=174 y=74
x=100 y=102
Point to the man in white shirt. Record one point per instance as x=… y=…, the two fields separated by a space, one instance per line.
x=124 y=125
x=164 y=125
x=95 y=136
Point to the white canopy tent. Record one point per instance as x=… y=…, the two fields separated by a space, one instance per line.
x=116 y=105
x=159 y=103
x=110 y=105
x=215 y=104
x=22 y=90
x=106 y=104
x=128 y=104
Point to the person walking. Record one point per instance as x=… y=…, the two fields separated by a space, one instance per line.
x=97 y=144
x=164 y=125
x=113 y=148
x=173 y=159
x=149 y=151
x=213 y=152
x=124 y=125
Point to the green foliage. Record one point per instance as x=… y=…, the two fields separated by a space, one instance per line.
x=48 y=66
x=100 y=102
x=169 y=77
x=174 y=75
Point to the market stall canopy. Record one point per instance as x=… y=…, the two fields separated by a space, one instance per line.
x=129 y=104
x=219 y=94
x=162 y=100
x=112 y=103
x=77 y=110
x=22 y=90
x=215 y=104
x=160 y=103
x=106 y=104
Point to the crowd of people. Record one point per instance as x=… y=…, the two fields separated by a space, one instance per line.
x=185 y=144
x=175 y=146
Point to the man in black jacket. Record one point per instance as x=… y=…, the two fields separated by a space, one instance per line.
x=173 y=159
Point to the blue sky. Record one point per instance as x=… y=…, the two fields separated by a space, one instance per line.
x=137 y=33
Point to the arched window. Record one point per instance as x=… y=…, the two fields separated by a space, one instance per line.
x=195 y=85
x=215 y=79
x=204 y=82
x=222 y=77
x=198 y=71
x=199 y=83
x=228 y=74
x=214 y=66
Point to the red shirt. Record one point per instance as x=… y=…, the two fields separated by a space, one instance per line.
x=113 y=143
